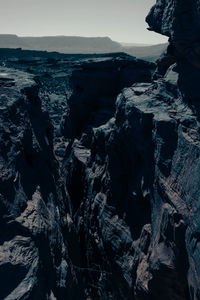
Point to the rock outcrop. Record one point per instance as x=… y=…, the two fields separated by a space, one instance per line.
x=180 y=21
x=34 y=262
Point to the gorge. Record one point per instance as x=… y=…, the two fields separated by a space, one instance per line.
x=99 y=158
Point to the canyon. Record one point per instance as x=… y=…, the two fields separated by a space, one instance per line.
x=99 y=158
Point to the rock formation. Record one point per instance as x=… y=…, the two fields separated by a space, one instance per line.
x=180 y=21
x=118 y=218
x=34 y=260
x=95 y=86
x=133 y=181
x=134 y=192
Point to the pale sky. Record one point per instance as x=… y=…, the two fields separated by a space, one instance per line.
x=121 y=20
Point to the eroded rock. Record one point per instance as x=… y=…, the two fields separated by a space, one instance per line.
x=95 y=88
x=34 y=261
x=180 y=21
x=137 y=196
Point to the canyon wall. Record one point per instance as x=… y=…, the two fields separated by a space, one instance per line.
x=34 y=260
x=134 y=180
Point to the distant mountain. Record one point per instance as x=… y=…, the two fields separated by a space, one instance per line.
x=72 y=44
x=11 y=41
x=76 y=44
x=65 y=44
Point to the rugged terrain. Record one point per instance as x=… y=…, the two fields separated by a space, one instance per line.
x=100 y=170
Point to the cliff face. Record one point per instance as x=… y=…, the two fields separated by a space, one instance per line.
x=180 y=21
x=135 y=196
x=177 y=19
x=134 y=180
x=34 y=261
x=118 y=218
x=95 y=87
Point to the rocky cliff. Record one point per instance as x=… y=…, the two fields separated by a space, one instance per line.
x=134 y=188
x=118 y=218
x=134 y=180
x=34 y=261
x=180 y=21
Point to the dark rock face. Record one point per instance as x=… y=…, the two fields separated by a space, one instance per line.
x=136 y=196
x=95 y=88
x=34 y=260
x=177 y=19
x=180 y=21
x=133 y=180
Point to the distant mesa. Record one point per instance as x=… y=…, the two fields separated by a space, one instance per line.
x=77 y=44
x=65 y=44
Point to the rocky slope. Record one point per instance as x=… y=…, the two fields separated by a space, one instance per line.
x=118 y=218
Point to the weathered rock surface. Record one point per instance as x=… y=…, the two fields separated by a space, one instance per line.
x=133 y=180
x=180 y=21
x=95 y=88
x=34 y=262
x=135 y=196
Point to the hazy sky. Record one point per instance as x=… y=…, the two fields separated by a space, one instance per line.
x=122 y=20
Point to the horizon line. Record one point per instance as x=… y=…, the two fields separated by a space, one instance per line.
x=83 y=36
